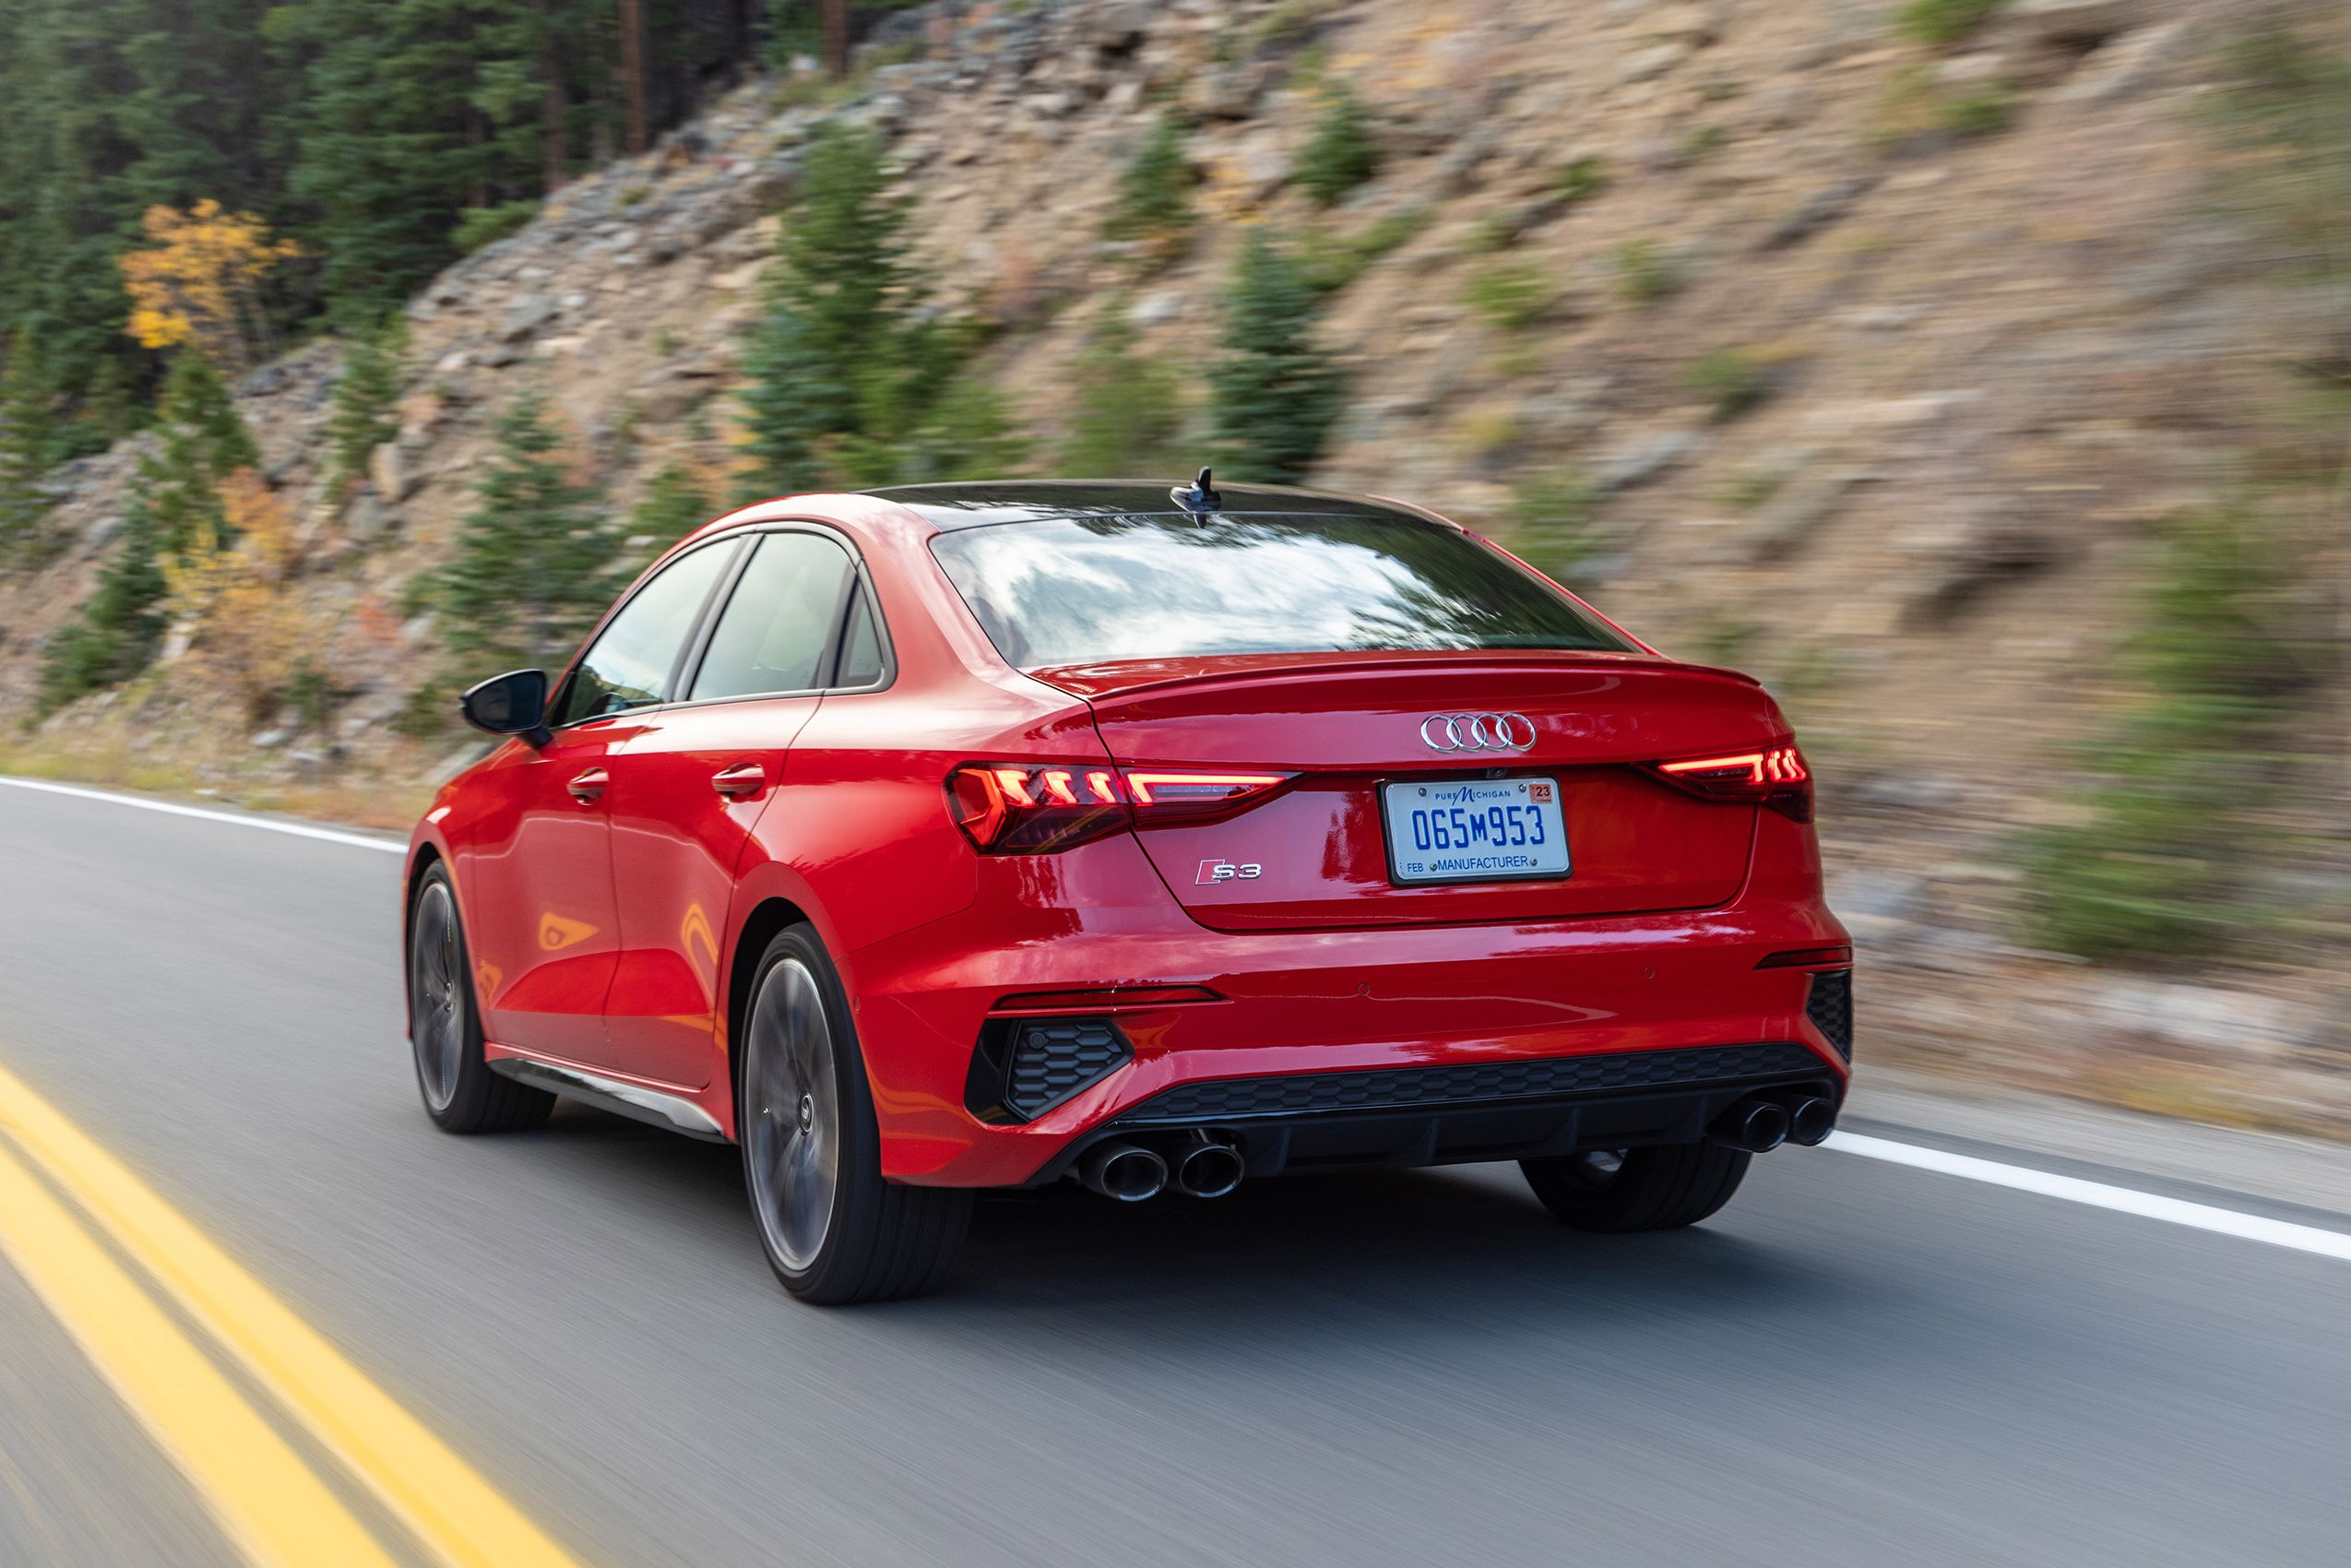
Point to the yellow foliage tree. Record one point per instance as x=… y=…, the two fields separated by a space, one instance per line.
x=246 y=633
x=198 y=281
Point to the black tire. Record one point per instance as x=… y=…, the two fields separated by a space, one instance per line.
x=835 y=1230
x=1659 y=1188
x=460 y=1093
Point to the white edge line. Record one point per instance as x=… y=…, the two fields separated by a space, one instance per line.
x=2016 y=1178
x=267 y=824
x=2334 y=1245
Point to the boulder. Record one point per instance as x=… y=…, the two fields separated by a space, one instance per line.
x=526 y=316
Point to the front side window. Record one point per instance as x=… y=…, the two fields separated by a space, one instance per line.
x=1085 y=591
x=778 y=624
x=629 y=665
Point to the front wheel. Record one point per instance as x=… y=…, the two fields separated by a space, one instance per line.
x=461 y=1094
x=1662 y=1187
x=834 y=1228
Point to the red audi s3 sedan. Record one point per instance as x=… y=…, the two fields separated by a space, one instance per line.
x=970 y=836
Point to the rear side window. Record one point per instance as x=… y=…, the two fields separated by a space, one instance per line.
x=1085 y=590
x=861 y=650
x=629 y=665
x=778 y=624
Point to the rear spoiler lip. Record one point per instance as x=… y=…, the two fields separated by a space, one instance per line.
x=1085 y=682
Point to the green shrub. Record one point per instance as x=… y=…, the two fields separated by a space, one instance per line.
x=1290 y=21
x=1129 y=412
x=366 y=395
x=174 y=499
x=1331 y=263
x=1580 y=179
x=1342 y=153
x=1553 y=522
x=969 y=432
x=1154 y=202
x=1918 y=106
x=480 y=226
x=1511 y=295
x=1276 y=391
x=1646 y=271
x=2167 y=842
x=675 y=505
x=1733 y=381
x=1702 y=144
x=1939 y=23
x=1750 y=489
x=1980 y=111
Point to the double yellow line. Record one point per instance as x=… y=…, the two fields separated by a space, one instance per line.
x=275 y=1509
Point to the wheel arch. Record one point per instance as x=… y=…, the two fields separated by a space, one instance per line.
x=767 y=918
x=421 y=858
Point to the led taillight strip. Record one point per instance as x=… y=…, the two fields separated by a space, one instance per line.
x=1773 y=777
x=1781 y=764
x=1194 y=788
x=1004 y=808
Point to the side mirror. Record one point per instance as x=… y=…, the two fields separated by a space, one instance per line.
x=511 y=704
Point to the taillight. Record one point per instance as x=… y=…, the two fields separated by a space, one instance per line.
x=1776 y=778
x=1012 y=809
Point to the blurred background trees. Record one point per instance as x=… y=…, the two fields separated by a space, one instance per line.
x=380 y=137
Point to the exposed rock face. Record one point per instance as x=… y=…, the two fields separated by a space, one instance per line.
x=1983 y=368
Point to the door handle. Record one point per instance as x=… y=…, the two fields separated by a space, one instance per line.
x=588 y=788
x=742 y=779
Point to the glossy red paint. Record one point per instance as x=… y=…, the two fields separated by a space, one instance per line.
x=609 y=928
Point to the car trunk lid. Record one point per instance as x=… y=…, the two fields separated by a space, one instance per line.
x=1317 y=853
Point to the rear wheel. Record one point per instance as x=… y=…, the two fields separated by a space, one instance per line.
x=1657 y=1188
x=834 y=1230
x=461 y=1094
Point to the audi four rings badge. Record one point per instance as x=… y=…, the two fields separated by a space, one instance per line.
x=1477 y=731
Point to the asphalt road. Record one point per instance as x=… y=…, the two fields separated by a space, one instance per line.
x=1855 y=1363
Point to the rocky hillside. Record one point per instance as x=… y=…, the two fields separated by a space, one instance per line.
x=1877 y=366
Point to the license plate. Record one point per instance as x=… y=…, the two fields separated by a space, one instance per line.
x=1475 y=830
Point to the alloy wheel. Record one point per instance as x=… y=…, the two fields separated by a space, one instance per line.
x=791 y=1104
x=436 y=995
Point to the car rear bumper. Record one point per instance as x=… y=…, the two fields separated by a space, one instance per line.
x=1535 y=1109
x=1398 y=1046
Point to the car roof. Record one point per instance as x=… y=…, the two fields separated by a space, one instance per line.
x=973 y=505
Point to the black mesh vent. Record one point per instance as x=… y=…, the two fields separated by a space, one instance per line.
x=1400 y=1087
x=1054 y=1058
x=1829 y=1007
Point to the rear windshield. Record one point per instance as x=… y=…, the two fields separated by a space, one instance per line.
x=1088 y=590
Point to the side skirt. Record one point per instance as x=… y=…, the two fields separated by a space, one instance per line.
x=632 y=1101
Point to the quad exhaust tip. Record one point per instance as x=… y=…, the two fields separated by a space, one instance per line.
x=1758 y=1126
x=1126 y=1173
x=1811 y=1122
x=1209 y=1168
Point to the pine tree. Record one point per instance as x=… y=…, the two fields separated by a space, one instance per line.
x=1342 y=153
x=845 y=265
x=1154 y=204
x=1129 y=413
x=965 y=433
x=790 y=406
x=674 y=503
x=844 y=371
x=27 y=430
x=533 y=567
x=175 y=502
x=365 y=396
x=410 y=110
x=1277 y=392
